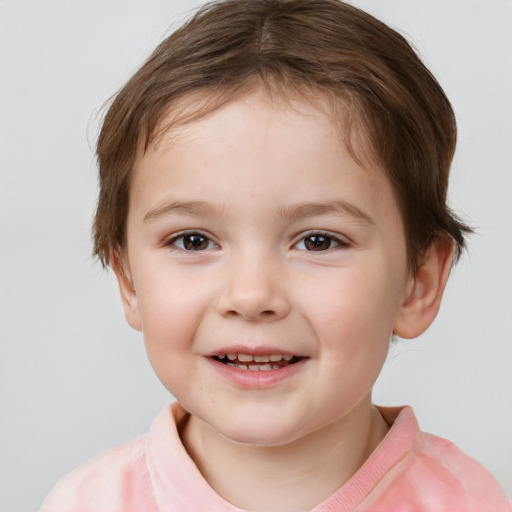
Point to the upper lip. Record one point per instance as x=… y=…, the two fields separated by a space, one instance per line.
x=253 y=351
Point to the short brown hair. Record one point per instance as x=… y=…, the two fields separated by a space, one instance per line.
x=323 y=47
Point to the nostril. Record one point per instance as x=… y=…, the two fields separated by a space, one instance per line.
x=252 y=306
x=267 y=313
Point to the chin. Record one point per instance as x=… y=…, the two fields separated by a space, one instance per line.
x=258 y=434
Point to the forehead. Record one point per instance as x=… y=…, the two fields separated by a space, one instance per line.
x=201 y=120
x=343 y=116
x=258 y=142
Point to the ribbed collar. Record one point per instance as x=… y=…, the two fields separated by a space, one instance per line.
x=178 y=483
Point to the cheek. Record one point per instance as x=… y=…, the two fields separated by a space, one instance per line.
x=171 y=309
x=169 y=324
x=353 y=316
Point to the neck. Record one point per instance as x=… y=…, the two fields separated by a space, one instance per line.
x=288 y=478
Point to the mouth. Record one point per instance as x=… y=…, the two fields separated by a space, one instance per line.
x=257 y=363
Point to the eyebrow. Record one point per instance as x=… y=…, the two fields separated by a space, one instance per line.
x=194 y=208
x=301 y=210
x=289 y=212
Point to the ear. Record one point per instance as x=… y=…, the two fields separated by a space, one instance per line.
x=425 y=291
x=126 y=289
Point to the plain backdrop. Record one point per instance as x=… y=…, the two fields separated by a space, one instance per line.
x=74 y=377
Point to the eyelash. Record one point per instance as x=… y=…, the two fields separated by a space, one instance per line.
x=340 y=242
x=182 y=236
x=206 y=239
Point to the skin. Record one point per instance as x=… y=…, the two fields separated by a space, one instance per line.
x=255 y=181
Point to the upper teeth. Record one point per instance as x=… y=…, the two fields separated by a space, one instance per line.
x=257 y=359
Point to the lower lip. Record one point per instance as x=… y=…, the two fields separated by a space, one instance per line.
x=256 y=378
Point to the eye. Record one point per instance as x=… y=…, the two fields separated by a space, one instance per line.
x=319 y=242
x=192 y=242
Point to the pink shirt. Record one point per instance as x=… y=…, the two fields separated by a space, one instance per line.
x=410 y=471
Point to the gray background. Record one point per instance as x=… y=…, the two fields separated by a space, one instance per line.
x=74 y=378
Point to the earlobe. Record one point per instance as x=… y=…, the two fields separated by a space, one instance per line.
x=126 y=290
x=423 y=299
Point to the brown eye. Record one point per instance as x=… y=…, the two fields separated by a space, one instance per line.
x=318 y=242
x=193 y=242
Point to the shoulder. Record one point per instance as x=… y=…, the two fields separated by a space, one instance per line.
x=456 y=477
x=434 y=474
x=114 y=481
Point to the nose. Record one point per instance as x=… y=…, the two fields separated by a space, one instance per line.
x=254 y=289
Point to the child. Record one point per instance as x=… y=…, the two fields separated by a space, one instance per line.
x=273 y=203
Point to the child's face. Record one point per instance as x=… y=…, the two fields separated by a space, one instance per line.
x=253 y=231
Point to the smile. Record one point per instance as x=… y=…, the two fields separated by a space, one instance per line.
x=257 y=363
